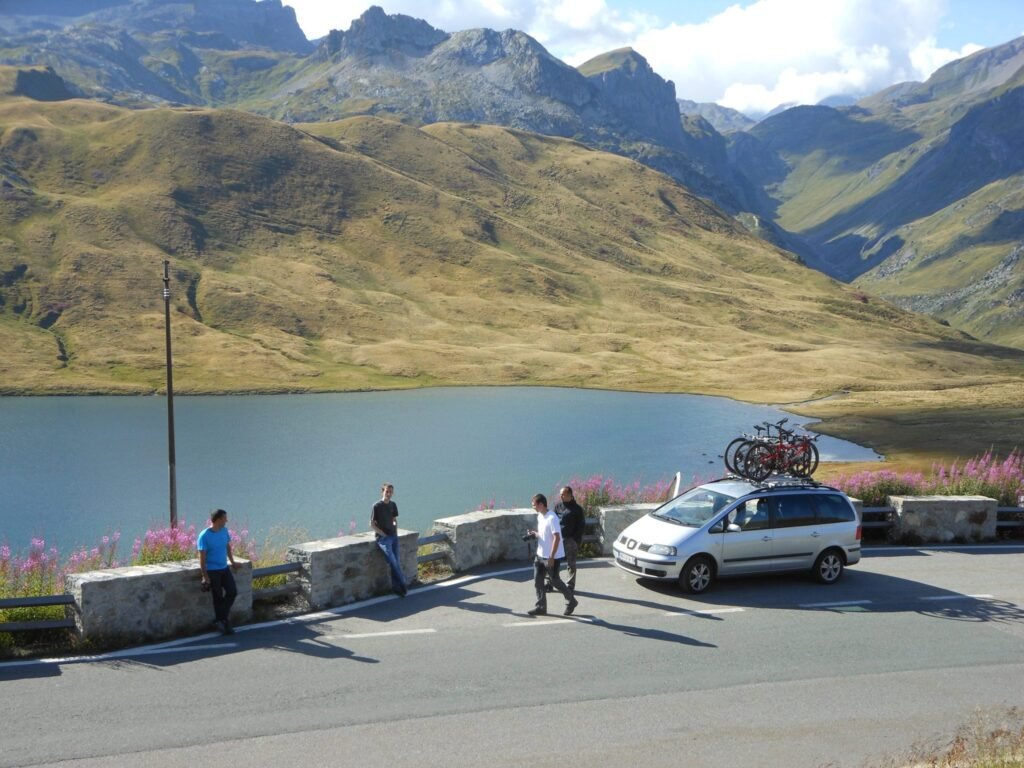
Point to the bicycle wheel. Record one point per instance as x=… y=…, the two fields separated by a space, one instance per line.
x=729 y=458
x=806 y=459
x=758 y=463
x=813 y=449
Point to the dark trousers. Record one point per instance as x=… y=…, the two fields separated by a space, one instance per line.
x=542 y=572
x=224 y=592
x=571 y=550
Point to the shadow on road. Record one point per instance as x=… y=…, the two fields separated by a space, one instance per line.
x=863 y=592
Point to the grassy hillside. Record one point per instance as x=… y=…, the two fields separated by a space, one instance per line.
x=371 y=254
x=915 y=193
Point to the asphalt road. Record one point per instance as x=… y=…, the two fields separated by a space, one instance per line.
x=774 y=671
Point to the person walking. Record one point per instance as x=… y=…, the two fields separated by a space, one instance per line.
x=573 y=520
x=214 y=545
x=384 y=521
x=548 y=558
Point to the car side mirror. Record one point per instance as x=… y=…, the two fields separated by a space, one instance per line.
x=733 y=528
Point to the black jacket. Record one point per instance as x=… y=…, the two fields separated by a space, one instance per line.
x=573 y=520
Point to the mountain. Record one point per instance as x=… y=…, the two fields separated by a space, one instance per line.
x=911 y=192
x=722 y=119
x=914 y=193
x=252 y=56
x=370 y=253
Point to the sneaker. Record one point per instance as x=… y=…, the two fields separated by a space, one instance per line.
x=570 y=607
x=536 y=612
x=218 y=625
x=228 y=629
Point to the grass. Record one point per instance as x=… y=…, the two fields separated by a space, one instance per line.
x=990 y=739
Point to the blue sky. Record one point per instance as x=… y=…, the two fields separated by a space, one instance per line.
x=752 y=55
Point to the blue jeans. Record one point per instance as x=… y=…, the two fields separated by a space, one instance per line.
x=389 y=546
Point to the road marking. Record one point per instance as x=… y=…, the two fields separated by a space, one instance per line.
x=544 y=623
x=835 y=605
x=708 y=612
x=343 y=636
x=958 y=597
x=126 y=654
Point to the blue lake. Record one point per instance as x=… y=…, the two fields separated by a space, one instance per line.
x=75 y=468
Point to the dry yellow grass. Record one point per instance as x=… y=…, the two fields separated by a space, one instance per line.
x=367 y=254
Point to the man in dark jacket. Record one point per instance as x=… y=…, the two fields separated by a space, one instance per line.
x=574 y=521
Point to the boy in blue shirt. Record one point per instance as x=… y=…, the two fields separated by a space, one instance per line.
x=214 y=547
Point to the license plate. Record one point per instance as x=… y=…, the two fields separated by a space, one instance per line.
x=626 y=559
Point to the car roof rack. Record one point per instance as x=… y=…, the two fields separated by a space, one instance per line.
x=773 y=482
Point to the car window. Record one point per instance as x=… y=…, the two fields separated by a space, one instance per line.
x=751 y=515
x=833 y=508
x=693 y=508
x=793 y=510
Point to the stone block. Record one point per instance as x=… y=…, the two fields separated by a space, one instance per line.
x=612 y=521
x=349 y=568
x=488 y=536
x=150 y=602
x=943 y=519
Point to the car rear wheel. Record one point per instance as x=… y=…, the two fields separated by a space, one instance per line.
x=697 y=575
x=829 y=566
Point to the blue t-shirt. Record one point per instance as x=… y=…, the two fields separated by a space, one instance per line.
x=215 y=544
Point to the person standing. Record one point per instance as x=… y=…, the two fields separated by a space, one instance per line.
x=214 y=545
x=573 y=520
x=549 y=556
x=384 y=521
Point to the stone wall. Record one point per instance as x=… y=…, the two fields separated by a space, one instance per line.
x=491 y=536
x=612 y=521
x=150 y=602
x=943 y=519
x=349 y=568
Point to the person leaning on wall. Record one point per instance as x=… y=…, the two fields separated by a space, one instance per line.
x=214 y=545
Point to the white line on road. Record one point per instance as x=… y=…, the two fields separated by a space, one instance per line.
x=127 y=654
x=343 y=636
x=958 y=597
x=708 y=612
x=835 y=605
x=543 y=623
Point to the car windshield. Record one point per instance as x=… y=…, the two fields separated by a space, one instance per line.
x=693 y=508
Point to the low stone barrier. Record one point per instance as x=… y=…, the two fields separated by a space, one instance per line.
x=943 y=519
x=490 y=536
x=612 y=521
x=149 y=602
x=349 y=568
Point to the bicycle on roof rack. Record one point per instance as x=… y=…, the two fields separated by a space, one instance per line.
x=772 y=449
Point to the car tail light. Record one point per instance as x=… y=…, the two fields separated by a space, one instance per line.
x=858 y=532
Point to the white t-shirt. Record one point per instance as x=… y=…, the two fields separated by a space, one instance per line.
x=547 y=527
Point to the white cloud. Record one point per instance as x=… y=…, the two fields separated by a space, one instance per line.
x=771 y=52
x=753 y=56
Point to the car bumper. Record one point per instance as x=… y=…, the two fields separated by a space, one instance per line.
x=648 y=567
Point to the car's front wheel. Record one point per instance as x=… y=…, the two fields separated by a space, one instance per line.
x=697 y=575
x=829 y=566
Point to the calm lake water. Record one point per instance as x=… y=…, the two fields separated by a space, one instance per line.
x=75 y=468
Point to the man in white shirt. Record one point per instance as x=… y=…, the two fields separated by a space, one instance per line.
x=549 y=557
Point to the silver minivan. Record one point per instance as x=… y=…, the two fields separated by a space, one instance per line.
x=734 y=527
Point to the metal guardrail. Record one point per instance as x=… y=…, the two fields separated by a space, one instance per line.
x=36 y=602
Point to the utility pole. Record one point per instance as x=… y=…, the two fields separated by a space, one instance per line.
x=170 y=398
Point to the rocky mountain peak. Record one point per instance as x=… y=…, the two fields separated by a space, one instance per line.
x=375 y=32
x=637 y=93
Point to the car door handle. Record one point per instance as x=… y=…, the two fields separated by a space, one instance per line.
x=815 y=534
x=766 y=538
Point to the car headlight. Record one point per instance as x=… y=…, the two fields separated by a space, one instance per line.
x=661 y=549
